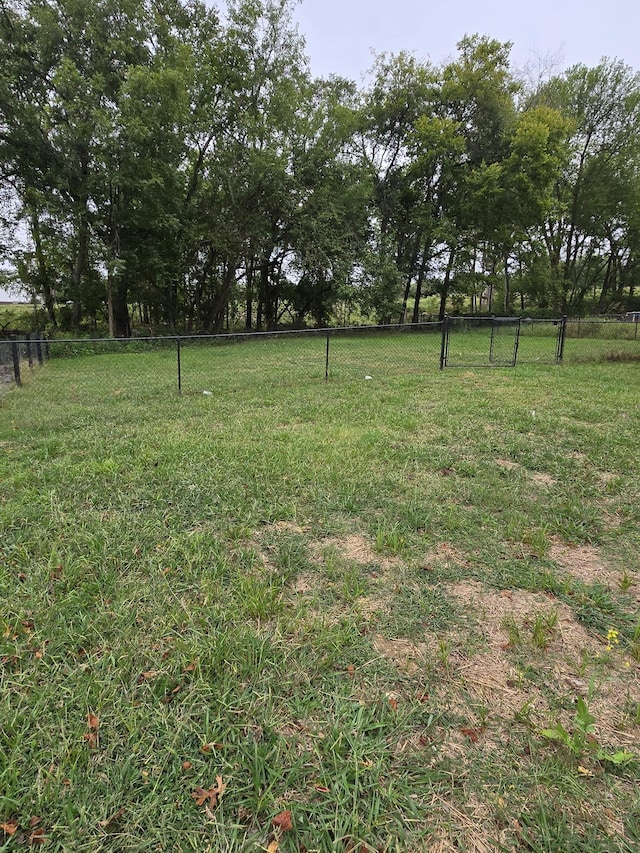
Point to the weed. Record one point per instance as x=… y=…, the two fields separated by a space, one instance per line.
x=511 y=627
x=444 y=654
x=626 y=581
x=581 y=739
x=389 y=539
x=543 y=628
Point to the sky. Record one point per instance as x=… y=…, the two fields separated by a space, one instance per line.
x=341 y=34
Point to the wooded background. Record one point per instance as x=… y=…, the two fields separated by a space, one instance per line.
x=173 y=167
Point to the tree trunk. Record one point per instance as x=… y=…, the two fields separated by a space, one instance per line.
x=444 y=293
x=42 y=278
x=121 y=318
x=507 y=287
x=419 y=282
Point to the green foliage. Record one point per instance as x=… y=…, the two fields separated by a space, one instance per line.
x=180 y=169
x=581 y=741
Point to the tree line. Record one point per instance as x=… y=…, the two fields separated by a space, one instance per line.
x=170 y=165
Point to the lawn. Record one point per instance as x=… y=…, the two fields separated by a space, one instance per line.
x=395 y=614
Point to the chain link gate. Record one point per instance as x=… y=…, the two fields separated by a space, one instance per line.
x=497 y=341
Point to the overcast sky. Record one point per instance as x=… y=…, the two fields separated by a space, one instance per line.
x=340 y=34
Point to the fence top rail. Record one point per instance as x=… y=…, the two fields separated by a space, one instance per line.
x=235 y=335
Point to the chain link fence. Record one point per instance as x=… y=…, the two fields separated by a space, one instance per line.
x=212 y=363
x=18 y=355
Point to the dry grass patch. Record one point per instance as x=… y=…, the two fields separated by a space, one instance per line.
x=445 y=555
x=584 y=563
x=571 y=660
x=408 y=656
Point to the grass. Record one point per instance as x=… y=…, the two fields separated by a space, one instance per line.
x=360 y=602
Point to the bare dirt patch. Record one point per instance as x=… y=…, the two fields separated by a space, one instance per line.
x=446 y=555
x=563 y=663
x=353 y=549
x=306 y=583
x=507 y=464
x=542 y=479
x=406 y=655
x=586 y=564
x=285 y=527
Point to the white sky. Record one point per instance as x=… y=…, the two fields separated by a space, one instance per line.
x=340 y=34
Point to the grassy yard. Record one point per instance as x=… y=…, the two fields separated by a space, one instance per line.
x=397 y=614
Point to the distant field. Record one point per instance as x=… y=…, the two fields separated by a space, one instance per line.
x=386 y=614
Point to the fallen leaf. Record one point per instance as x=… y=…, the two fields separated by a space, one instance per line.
x=34 y=821
x=148 y=675
x=91 y=739
x=212 y=795
x=93 y=722
x=351 y=669
x=273 y=847
x=321 y=789
x=37 y=836
x=209 y=747
x=584 y=771
x=472 y=734
x=191 y=667
x=393 y=703
x=283 y=821
x=10 y=827
x=186 y=765
x=115 y=817
x=423 y=697
x=171 y=695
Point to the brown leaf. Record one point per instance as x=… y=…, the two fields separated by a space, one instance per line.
x=93 y=722
x=272 y=847
x=472 y=734
x=115 y=817
x=209 y=747
x=148 y=675
x=171 y=695
x=283 y=821
x=186 y=765
x=351 y=669
x=10 y=827
x=212 y=795
x=91 y=739
x=321 y=789
x=37 y=836
x=393 y=703
x=34 y=821
x=191 y=667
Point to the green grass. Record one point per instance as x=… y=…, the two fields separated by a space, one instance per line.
x=357 y=601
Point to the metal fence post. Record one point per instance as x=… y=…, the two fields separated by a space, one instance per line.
x=326 y=361
x=16 y=360
x=179 y=364
x=561 y=338
x=39 y=347
x=443 y=344
x=27 y=338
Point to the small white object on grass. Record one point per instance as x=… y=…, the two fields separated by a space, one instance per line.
x=368 y=377
x=208 y=393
